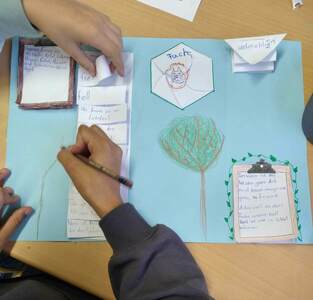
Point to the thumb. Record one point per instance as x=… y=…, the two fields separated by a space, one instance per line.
x=72 y=165
x=80 y=57
x=12 y=223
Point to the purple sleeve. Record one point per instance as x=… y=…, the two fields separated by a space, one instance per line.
x=149 y=262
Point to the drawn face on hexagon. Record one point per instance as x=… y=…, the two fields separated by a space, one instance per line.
x=177 y=75
x=181 y=75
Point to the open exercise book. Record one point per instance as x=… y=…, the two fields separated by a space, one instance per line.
x=104 y=100
x=264 y=206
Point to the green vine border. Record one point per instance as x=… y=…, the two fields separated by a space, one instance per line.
x=228 y=183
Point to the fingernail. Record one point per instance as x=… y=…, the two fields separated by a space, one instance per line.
x=28 y=211
x=122 y=72
x=92 y=72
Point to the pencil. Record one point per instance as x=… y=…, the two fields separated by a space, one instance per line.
x=105 y=171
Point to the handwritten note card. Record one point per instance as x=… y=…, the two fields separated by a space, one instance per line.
x=263 y=205
x=91 y=114
x=46 y=75
x=102 y=95
x=185 y=9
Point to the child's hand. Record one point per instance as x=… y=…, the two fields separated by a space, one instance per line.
x=7 y=197
x=98 y=189
x=69 y=23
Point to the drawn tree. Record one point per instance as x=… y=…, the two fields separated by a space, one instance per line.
x=195 y=143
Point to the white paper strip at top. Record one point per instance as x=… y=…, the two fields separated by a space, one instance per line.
x=254 y=49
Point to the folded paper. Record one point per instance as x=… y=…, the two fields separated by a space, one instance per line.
x=102 y=69
x=181 y=76
x=255 y=54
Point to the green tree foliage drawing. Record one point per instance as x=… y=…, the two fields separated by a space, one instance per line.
x=195 y=143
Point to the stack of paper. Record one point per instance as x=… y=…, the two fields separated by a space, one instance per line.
x=255 y=54
x=104 y=100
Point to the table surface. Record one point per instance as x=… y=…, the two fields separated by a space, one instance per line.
x=232 y=271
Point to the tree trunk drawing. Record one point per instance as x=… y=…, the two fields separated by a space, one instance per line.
x=195 y=143
x=203 y=204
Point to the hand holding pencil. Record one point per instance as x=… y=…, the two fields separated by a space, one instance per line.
x=99 y=189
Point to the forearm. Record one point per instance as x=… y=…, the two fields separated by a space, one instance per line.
x=149 y=262
x=13 y=21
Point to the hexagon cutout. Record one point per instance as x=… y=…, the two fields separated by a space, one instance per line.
x=181 y=76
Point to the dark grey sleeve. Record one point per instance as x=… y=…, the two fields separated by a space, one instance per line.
x=149 y=262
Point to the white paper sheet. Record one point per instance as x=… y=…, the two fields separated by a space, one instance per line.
x=263 y=205
x=260 y=67
x=113 y=117
x=46 y=75
x=185 y=9
x=107 y=95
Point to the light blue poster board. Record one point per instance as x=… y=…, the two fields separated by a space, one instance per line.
x=257 y=114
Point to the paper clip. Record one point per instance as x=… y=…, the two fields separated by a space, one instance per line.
x=261 y=167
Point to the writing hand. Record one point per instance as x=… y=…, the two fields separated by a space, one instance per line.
x=8 y=197
x=69 y=23
x=98 y=189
